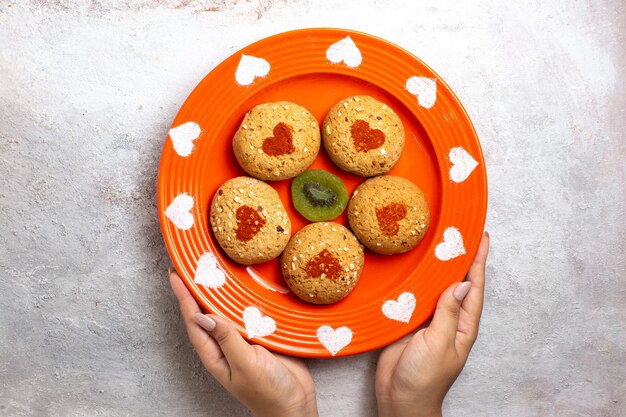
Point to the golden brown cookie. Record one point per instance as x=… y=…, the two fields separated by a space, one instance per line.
x=363 y=136
x=249 y=220
x=389 y=214
x=276 y=141
x=322 y=262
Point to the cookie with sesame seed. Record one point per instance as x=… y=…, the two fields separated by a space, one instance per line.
x=363 y=136
x=322 y=262
x=249 y=221
x=276 y=141
x=389 y=214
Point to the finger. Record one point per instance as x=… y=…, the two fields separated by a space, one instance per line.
x=388 y=360
x=473 y=303
x=188 y=305
x=472 y=306
x=296 y=365
x=237 y=351
x=394 y=349
x=476 y=272
x=443 y=327
x=207 y=348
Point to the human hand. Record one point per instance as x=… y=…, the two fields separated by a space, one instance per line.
x=415 y=373
x=268 y=384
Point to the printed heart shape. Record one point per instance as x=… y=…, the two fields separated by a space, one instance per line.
x=424 y=88
x=389 y=217
x=452 y=245
x=257 y=325
x=323 y=263
x=249 y=223
x=344 y=50
x=334 y=340
x=182 y=137
x=179 y=211
x=282 y=141
x=208 y=273
x=249 y=68
x=364 y=138
x=400 y=310
x=462 y=164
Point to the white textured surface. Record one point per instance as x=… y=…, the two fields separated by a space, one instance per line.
x=88 y=90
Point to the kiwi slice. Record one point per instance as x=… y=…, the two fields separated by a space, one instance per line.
x=319 y=195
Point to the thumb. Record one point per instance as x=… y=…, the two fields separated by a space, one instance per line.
x=235 y=349
x=446 y=318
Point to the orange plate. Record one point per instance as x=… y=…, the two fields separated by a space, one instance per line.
x=301 y=72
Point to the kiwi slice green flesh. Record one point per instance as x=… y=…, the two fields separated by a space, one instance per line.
x=319 y=195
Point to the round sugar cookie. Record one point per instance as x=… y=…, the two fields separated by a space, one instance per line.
x=389 y=214
x=277 y=141
x=363 y=136
x=249 y=221
x=322 y=262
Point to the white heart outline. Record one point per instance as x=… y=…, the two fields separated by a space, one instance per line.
x=257 y=325
x=183 y=136
x=179 y=211
x=400 y=309
x=424 y=88
x=463 y=164
x=345 y=50
x=334 y=339
x=208 y=273
x=451 y=246
x=249 y=68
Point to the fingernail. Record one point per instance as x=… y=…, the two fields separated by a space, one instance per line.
x=205 y=322
x=487 y=234
x=170 y=270
x=461 y=291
